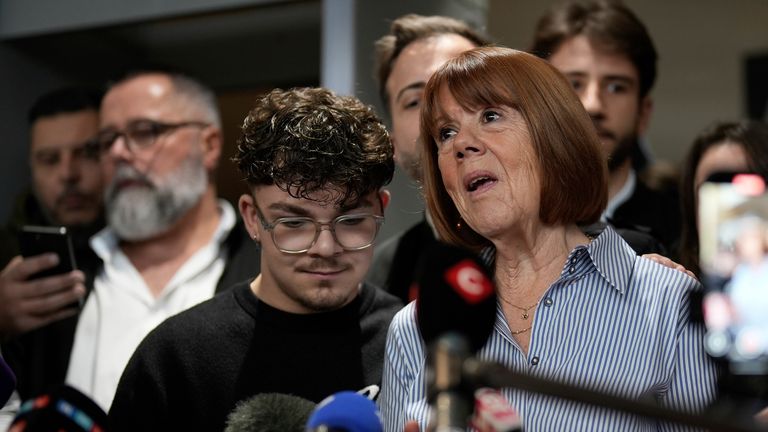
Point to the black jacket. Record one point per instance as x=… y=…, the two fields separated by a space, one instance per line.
x=396 y=261
x=653 y=212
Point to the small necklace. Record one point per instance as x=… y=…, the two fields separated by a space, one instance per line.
x=517 y=332
x=524 y=315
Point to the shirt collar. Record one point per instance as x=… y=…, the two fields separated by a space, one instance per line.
x=621 y=197
x=612 y=258
x=608 y=254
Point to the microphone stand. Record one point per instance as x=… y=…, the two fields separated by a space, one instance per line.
x=446 y=385
x=489 y=374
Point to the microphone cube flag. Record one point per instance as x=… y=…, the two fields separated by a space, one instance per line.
x=468 y=280
x=345 y=411
x=493 y=413
x=455 y=295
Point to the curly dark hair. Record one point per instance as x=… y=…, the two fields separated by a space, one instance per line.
x=309 y=140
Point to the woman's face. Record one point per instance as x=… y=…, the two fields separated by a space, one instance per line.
x=488 y=166
x=725 y=156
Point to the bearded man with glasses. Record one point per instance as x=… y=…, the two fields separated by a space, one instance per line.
x=169 y=243
x=308 y=325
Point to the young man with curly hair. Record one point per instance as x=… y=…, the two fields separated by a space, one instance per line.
x=315 y=164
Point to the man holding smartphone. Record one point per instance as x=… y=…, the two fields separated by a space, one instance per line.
x=169 y=242
x=67 y=190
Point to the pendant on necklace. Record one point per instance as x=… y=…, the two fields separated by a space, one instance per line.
x=525 y=315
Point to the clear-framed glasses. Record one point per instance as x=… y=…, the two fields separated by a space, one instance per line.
x=295 y=235
x=141 y=134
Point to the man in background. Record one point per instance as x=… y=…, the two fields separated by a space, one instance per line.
x=66 y=190
x=608 y=56
x=169 y=242
x=406 y=58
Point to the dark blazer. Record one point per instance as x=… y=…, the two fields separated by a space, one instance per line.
x=395 y=261
x=654 y=212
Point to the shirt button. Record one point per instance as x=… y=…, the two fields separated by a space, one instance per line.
x=548 y=302
x=534 y=361
x=571 y=269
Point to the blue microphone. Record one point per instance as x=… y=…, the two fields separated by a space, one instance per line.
x=345 y=411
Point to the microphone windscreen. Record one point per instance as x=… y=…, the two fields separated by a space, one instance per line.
x=270 y=412
x=456 y=294
x=7 y=382
x=64 y=409
x=346 y=411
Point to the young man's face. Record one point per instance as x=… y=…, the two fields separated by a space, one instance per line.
x=324 y=277
x=405 y=90
x=67 y=178
x=609 y=88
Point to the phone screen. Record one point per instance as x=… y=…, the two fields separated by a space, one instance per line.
x=37 y=240
x=733 y=242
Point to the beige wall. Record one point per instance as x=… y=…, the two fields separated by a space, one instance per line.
x=702 y=45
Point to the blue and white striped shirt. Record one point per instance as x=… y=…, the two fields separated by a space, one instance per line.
x=613 y=322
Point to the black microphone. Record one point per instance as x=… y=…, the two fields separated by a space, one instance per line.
x=456 y=311
x=7 y=382
x=270 y=412
x=63 y=409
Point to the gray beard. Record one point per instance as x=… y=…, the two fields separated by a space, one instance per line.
x=141 y=212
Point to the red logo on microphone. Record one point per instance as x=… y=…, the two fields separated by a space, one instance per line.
x=469 y=281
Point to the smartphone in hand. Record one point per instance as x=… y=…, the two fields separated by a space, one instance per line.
x=37 y=240
x=733 y=233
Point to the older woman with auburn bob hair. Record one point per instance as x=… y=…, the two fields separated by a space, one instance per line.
x=514 y=168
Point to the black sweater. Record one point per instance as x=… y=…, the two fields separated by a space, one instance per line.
x=190 y=372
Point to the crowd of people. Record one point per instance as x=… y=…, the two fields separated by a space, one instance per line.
x=183 y=306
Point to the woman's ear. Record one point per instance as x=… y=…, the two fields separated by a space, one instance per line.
x=247 y=206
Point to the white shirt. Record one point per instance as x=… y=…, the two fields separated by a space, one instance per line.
x=9 y=411
x=121 y=309
x=621 y=197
